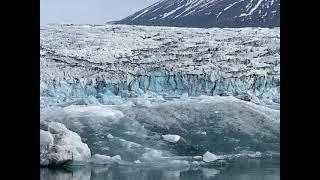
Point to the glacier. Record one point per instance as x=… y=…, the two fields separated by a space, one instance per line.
x=139 y=96
x=113 y=62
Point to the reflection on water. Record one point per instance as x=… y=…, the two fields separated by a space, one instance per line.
x=243 y=170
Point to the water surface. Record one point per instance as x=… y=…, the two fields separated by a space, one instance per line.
x=253 y=169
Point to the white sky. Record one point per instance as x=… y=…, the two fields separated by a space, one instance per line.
x=89 y=11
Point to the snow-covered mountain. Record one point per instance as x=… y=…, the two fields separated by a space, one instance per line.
x=208 y=13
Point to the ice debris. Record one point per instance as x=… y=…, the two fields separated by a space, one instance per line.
x=209 y=157
x=103 y=159
x=109 y=136
x=171 y=138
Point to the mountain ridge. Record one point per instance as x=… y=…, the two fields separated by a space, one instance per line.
x=208 y=13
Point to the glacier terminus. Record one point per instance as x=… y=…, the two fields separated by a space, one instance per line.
x=158 y=97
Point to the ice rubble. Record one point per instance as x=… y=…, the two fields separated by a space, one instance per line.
x=240 y=127
x=58 y=145
x=99 y=159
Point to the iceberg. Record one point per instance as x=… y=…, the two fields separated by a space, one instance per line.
x=100 y=159
x=152 y=155
x=116 y=158
x=109 y=136
x=209 y=157
x=171 y=138
x=58 y=145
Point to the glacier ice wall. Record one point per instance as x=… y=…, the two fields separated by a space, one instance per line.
x=172 y=85
x=80 y=61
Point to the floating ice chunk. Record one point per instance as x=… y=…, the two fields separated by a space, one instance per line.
x=171 y=138
x=204 y=133
x=93 y=110
x=151 y=155
x=243 y=14
x=197 y=157
x=59 y=145
x=100 y=159
x=209 y=157
x=255 y=155
x=103 y=159
x=116 y=158
x=109 y=136
x=172 y=164
x=130 y=133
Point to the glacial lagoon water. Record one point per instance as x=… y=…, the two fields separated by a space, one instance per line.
x=251 y=169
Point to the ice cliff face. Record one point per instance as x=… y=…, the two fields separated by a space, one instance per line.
x=103 y=62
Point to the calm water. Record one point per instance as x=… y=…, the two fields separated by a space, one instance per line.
x=243 y=170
